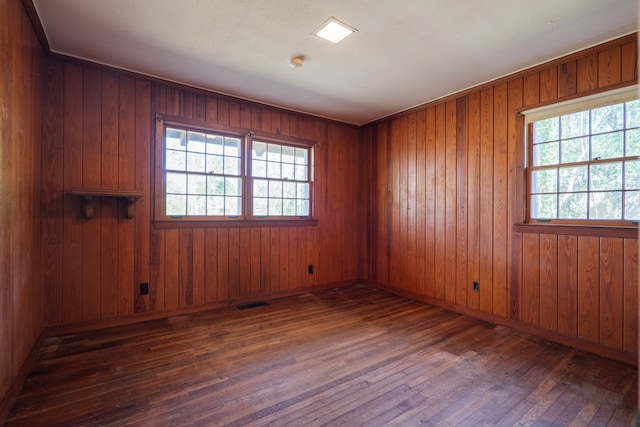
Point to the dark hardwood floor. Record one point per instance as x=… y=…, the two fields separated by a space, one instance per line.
x=352 y=356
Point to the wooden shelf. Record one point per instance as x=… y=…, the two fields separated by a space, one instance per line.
x=87 y=194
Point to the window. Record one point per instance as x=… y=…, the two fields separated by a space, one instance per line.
x=227 y=174
x=583 y=161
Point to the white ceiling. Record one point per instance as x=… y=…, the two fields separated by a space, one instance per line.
x=405 y=52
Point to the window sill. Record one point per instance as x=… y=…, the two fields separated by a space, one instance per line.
x=231 y=223
x=630 y=232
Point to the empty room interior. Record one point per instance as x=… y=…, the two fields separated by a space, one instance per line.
x=319 y=213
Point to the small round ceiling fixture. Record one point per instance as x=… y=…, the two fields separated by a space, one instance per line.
x=296 y=61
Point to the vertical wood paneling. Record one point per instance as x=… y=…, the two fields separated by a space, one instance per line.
x=26 y=220
x=611 y=292
x=450 y=207
x=421 y=217
x=587 y=73
x=412 y=237
x=52 y=187
x=91 y=178
x=432 y=215
x=109 y=179
x=568 y=285
x=506 y=298
x=567 y=79
x=501 y=225
x=588 y=288
x=72 y=243
x=486 y=199
x=211 y=261
x=549 y=282
x=548 y=84
x=530 y=296
x=630 y=296
x=473 y=202
x=440 y=187
x=461 y=202
x=609 y=67
x=629 y=62
x=143 y=143
x=127 y=179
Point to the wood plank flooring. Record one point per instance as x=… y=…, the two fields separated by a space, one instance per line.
x=350 y=356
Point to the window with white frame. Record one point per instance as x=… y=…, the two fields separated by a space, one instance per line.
x=219 y=174
x=583 y=162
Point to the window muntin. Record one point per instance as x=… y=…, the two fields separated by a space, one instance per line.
x=206 y=174
x=583 y=165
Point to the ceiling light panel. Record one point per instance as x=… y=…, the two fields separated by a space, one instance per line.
x=334 y=31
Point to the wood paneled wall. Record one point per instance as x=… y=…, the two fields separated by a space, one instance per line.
x=21 y=304
x=447 y=188
x=100 y=134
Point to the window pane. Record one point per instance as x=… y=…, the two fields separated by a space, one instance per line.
x=197 y=142
x=633 y=114
x=275 y=189
x=215 y=205
x=575 y=124
x=302 y=208
x=232 y=206
x=273 y=170
x=232 y=147
x=274 y=153
x=545 y=154
x=544 y=206
x=233 y=186
x=573 y=206
x=259 y=168
x=176 y=182
x=289 y=190
x=632 y=175
x=176 y=204
x=303 y=190
x=573 y=179
x=175 y=139
x=197 y=184
x=574 y=150
x=302 y=173
x=544 y=181
x=215 y=164
x=289 y=207
x=288 y=154
x=215 y=185
x=259 y=150
x=608 y=118
x=275 y=207
x=546 y=130
x=632 y=205
x=196 y=205
x=195 y=162
x=260 y=207
x=260 y=188
x=301 y=156
x=176 y=160
x=215 y=144
x=605 y=205
x=288 y=171
x=606 y=176
x=633 y=142
x=607 y=146
x=231 y=166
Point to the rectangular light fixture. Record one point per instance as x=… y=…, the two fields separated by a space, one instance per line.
x=334 y=31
